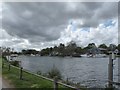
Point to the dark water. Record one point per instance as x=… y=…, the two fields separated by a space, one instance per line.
x=90 y=72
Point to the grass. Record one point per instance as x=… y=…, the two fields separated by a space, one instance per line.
x=28 y=81
x=0 y=65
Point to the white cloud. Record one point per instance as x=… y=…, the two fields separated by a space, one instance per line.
x=82 y=37
x=98 y=35
x=41 y=25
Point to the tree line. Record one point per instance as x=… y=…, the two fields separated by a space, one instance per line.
x=71 y=49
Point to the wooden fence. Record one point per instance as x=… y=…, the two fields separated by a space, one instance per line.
x=55 y=80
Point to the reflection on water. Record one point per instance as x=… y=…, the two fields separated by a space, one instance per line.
x=91 y=72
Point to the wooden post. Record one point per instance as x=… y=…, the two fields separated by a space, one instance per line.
x=119 y=71
x=110 y=72
x=21 y=73
x=55 y=83
x=67 y=81
x=9 y=67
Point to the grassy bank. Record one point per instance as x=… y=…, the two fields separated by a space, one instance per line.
x=0 y=65
x=29 y=80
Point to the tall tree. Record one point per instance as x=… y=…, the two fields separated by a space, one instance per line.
x=112 y=47
x=103 y=46
x=118 y=47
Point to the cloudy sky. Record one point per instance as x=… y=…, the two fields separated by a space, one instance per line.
x=39 y=25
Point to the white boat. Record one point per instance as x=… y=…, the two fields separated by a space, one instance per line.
x=84 y=55
x=100 y=55
x=95 y=56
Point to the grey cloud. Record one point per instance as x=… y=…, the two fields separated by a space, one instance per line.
x=44 y=21
x=37 y=25
x=93 y=5
x=104 y=12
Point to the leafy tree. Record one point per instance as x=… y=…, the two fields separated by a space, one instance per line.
x=30 y=51
x=79 y=50
x=70 y=48
x=112 y=47
x=61 y=49
x=90 y=46
x=118 y=47
x=6 y=51
x=103 y=46
x=45 y=52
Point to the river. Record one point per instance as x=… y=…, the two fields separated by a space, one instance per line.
x=90 y=72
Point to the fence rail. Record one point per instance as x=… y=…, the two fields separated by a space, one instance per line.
x=113 y=82
x=55 y=82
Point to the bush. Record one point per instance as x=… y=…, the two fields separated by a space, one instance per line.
x=54 y=72
x=39 y=72
x=15 y=63
x=4 y=58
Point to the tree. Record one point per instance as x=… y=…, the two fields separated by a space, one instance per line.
x=79 y=50
x=102 y=46
x=55 y=48
x=89 y=47
x=30 y=51
x=70 y=48
x=23 y=51
x=72 y=44
x=112 y=47
x=118 y=47
x=61 y=49
x=45 y=52
x=6 y=51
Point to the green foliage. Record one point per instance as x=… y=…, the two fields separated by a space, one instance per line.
x=1 y=64
x=30 y=51
x=5 y=59
x=71 y=49
x=15 y=63
x=28 y=81
x=103 y=46
x=45 y=52
x=118 y=48
x=39 y=73
x=54 y=72
x=112 y=47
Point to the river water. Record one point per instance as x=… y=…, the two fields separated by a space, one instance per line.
x=90 y=72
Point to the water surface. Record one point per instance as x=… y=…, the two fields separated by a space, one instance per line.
x=90 y=72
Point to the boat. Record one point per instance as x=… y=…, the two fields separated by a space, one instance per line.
x=94 y=55
x=84 y=55
x=100 y=55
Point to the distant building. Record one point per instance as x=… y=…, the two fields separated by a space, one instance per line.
x=97 y=52
x=103 y=50
x=94 y=51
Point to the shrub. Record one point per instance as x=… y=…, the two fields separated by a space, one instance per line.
x=15 y=63
x=39 y=72
x=54 y=72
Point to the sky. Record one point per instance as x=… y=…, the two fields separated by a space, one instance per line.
x=37 y=25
